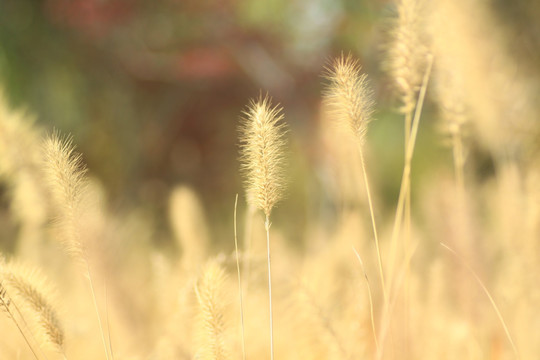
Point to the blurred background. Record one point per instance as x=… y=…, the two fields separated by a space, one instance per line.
x=151 y=91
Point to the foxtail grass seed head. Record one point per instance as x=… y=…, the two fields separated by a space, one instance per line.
x=66 y=180
x=406 y=52
x=31 y=295
x=348 y=96
x=450 y=98
x=212 y=326
x=33 y=290
x=65 y=169
x=261 y=153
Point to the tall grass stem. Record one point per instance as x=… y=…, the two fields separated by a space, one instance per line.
x=239 y=281
x=486 y=291
x=105 y=347
x=405 y=180
x=267 y=228
x=372 y=313
x=459 y=160
x=373 y=223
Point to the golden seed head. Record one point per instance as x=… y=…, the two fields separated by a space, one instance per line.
x=30 y=293
x=261 y=153
x=406 y=53
x=65 y=177
x=347 y=95
x=211 y=316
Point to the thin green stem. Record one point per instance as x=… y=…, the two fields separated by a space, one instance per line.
x=407 y=235
x=408 y=121
x=405 y=179
x=459 y=161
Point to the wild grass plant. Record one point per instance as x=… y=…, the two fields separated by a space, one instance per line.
x=449 y=271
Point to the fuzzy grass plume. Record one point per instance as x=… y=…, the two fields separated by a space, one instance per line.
x=348 y=96
x=406 y=53
x=32 y=290
x=28 y=301
x=65 y=177
x=349 y=101
x=262 y=156
x=262 y=142
x=211 y=313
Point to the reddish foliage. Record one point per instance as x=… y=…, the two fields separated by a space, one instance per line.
x=94 y=18
x=211 y=62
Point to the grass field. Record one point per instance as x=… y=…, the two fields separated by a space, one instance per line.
x=321 y=256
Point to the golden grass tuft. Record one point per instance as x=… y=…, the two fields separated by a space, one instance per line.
x=211 y=325
x=349 y=102
x=28 y=301
x=262 y=145
x=426 y=306
x=348 y=96
x=32 y=290
x=406 y=52
x=262 y=155
x=65 y=177
x=495 y=88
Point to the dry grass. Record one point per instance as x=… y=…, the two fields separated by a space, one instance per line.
x=325 y=298
x=348 y=96
x=34 y=296
x=262 y=143
x=210 y=291
x=262 y=158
